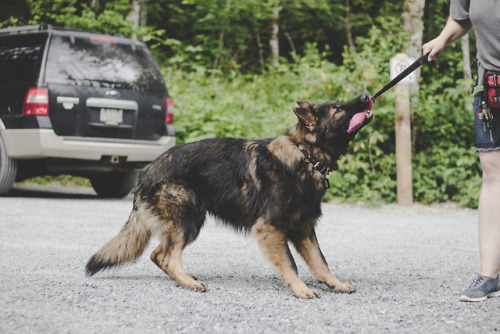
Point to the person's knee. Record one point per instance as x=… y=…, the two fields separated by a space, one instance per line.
x=490 y=163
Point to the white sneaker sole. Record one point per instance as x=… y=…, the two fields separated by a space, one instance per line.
x=464 y=298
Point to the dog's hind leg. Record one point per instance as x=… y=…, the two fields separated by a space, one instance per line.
x=183 y=219
x=275 y=246
x=158 y=256
x=169 y=259
x=308 y=247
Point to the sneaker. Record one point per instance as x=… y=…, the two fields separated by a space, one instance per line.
x=481 y=288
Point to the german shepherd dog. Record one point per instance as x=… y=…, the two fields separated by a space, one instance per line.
x=270 y=187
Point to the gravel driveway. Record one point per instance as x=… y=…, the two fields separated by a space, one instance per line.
x=408 y=263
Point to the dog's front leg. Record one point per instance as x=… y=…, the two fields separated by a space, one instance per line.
x=308 y=248
x=275 y=246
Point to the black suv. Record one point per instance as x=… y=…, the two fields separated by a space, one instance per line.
x=80 y=103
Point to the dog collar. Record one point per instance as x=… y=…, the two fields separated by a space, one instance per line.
x=317 y=165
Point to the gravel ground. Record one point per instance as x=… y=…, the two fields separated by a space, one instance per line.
x=408 y=263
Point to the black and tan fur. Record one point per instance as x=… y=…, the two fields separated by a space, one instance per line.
x=263 y=186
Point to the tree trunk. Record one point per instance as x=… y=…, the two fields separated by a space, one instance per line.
x=221 y=41
x=466 y=60
x=348 y=29
x=413 y=25
x=137 y=15
x=274 y=40
x=290 y=41
x=261 y=51
x=467 y=70
x=96 y=8
x=143 y=19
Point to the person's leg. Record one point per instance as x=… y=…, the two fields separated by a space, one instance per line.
x=487 y=283
x=489 y=214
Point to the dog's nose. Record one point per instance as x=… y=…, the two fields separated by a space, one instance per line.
x=364 y=98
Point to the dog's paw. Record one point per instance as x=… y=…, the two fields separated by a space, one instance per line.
x=306 y=293
x=199 y=286
x=343 y=288
x=191 y=284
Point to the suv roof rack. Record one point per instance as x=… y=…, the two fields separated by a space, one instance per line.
x=14 y=30
x=46 y=27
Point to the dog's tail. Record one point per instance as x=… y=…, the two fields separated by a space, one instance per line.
x=128 y=245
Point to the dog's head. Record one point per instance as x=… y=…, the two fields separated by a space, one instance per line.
x=334 y=122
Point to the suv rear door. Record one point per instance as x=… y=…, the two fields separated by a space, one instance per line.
x=20 y=59
x=102 y=86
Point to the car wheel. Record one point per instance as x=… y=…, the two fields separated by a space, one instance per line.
x=8 y=170
x=114 y=184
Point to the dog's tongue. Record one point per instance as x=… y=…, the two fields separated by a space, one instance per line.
x=358 y=119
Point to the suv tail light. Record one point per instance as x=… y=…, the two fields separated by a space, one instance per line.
x=37 y=102
x=169 y=114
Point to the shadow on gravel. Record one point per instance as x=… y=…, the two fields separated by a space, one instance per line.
x=141 y=278
x=259 y=281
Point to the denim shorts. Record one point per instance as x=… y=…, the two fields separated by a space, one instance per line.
x=485 y=141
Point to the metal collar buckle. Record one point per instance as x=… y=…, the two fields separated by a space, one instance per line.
x=319 y=166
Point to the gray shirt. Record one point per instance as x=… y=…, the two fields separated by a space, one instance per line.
x=485 y=18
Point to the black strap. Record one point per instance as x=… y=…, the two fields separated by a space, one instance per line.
x=317 y=165
x=403 y=74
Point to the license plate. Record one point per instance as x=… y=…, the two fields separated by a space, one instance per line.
x=111 y=116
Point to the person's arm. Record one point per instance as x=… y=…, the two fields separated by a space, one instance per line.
x=452 y=31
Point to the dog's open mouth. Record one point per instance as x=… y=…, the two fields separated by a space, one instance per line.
x=360 y=119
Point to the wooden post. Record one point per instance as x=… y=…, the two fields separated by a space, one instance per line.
x=403 y=131
x=403 y=144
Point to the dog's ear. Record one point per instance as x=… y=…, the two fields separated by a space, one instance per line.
x=307 y=114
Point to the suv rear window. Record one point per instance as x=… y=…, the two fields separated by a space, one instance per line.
x=98 y=61
x=19 y=59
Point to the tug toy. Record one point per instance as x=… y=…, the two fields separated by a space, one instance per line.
x=358 y=119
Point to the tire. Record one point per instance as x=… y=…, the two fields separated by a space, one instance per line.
x=114 y=184
x=8 y=170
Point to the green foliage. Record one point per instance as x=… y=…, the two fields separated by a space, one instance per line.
x=447 y=174
x=62 y=179
x=106 y=16
x=234 y=34
x=445 y=168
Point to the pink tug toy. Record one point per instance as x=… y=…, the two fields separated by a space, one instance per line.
x=358 y=119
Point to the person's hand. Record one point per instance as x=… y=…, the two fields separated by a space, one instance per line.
x=434 y=47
